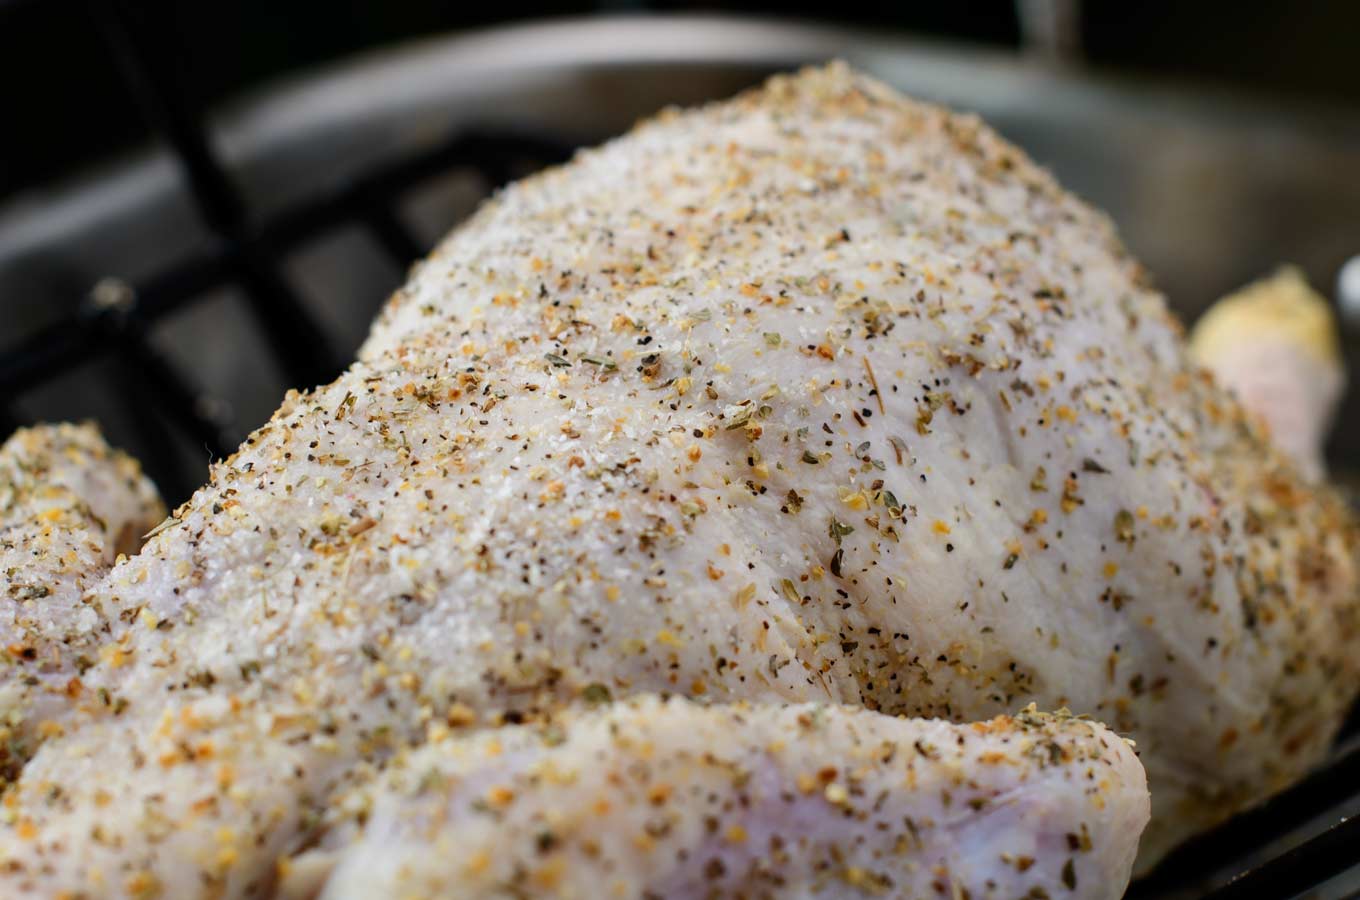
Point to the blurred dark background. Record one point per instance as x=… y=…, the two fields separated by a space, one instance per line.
x=65 y=107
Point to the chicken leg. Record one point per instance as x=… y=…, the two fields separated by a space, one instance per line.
x=649 y=798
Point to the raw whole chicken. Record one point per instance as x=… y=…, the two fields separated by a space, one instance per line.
x=818 y=396
x=661 y=799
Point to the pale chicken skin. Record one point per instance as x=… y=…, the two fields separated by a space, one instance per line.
x=646 y=798
x=820 y=394
x=1275 y=344
x=69 y=504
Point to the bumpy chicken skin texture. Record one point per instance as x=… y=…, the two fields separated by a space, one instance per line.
x=819 y=394
x=923 y=338
x=69 y=504
x=668 y=799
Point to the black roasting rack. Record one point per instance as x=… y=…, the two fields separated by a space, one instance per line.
x=1296 y=844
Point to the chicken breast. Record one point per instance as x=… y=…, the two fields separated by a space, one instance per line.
x=69 y=504
x=649 y=798
x=817 y=395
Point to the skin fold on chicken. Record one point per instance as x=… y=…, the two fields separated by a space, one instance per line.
x=69 y=504
x=670 y=799
x=818 y=395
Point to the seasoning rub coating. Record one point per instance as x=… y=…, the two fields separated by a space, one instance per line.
x=817 y=395
x=69 y=504
x=647 y=798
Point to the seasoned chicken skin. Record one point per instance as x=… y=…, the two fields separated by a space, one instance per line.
x=818 y=395
x=69 y=504
x=668 y=799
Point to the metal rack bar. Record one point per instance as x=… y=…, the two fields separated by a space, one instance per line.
x=1232 y=844
x=1301 y=869
x=46 y=354
x=148 y=67
x=68 y=343
x=169 y=389
x=75 y=340
x=112 y=312
x=211 y=268
x=146 y=63
x=157 y=453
